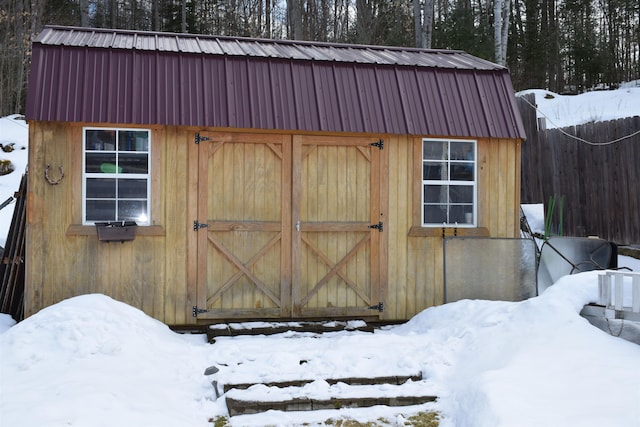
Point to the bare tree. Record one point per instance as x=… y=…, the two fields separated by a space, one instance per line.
x=501 y=12
x=294 y=19
x=423 y=22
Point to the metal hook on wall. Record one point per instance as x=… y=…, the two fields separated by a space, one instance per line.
x=53 y=181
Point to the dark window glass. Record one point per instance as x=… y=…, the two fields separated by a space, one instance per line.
x=434 y=150
x=435 y=194
x=101 y=188
x=101 y=210
x=133 y=163
x=433 y=171
x=100 y=140
x=132 y=188
x=133 y=140
x=460 y=194
x=435 y=214
x=100 y=162
x=462 y=171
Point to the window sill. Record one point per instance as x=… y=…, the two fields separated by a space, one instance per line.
x=90 y=230
x=417 y=231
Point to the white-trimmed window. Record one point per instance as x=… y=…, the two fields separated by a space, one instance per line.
x=116 y=178
x=449 y=177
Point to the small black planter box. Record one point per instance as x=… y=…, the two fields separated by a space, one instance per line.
x=117 y=231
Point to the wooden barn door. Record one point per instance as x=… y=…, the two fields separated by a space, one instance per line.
x=287 y=227
x=337 y=226
x=244 y=250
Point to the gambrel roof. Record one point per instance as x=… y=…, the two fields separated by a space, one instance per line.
x=134 y=77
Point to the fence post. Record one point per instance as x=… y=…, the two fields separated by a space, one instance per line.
x=619 y=291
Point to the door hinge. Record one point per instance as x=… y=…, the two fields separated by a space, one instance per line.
x=198 y=225
x=379 y=307
x=200 y=138
x=195 y=311
x=379 y=226
x=379 y=144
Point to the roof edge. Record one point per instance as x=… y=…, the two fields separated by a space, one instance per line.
x=305 y=43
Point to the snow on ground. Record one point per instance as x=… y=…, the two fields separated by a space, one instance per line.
x=572 y=110
x=92 y=361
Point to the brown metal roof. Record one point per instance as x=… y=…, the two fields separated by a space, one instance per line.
x=131 y=77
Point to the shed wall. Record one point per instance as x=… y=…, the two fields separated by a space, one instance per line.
x=65 y=259
x=416 y=258
x=154 y=272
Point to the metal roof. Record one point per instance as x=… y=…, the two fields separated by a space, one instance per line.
x=134 y=77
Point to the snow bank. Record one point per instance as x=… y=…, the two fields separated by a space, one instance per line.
x=573 y=110
x=93 y=361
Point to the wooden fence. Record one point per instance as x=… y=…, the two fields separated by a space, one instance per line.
x=600 y=184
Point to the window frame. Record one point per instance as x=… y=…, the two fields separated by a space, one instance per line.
x=115 y=175
x=449 y=162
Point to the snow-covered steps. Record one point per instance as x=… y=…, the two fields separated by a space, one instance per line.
x=394 y=379
x=270 y=328
x=322 y=394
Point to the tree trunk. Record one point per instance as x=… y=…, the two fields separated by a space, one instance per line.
x=183 y=20
x=506 y=15
x=364 y=22
x=295 y=19
x=497 y=31
x=417 y=23
x=427 y=17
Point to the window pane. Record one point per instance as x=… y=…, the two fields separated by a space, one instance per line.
x=101 y=210
x=134 y=163
x=132 y=210
x=462 y=150
x=132 y=188
x=434 y=150
x=461 y=194
x=133 y=140
x=101 y=188
x=435 y=194
x=99 y=162
x=100 y=139
x=458 y=214
x=435 y=214
x=462 y=171
x=434 y=171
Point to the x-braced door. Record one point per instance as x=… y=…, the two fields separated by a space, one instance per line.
x=288 y=226
x=244 y=256
x=337 y=226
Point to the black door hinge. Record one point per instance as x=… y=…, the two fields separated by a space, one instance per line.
x=195 y=311
x=379 y=144
x=200 y=138
x=197 y=225
x=379 y=307
x=379 y=226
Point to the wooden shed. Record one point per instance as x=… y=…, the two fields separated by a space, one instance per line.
x=269 y=179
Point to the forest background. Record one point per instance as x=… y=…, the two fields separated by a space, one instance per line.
x=566 y=46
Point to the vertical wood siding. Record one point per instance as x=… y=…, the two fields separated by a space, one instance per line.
x=149 y=273
x=157 y=272
x=415 y=269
